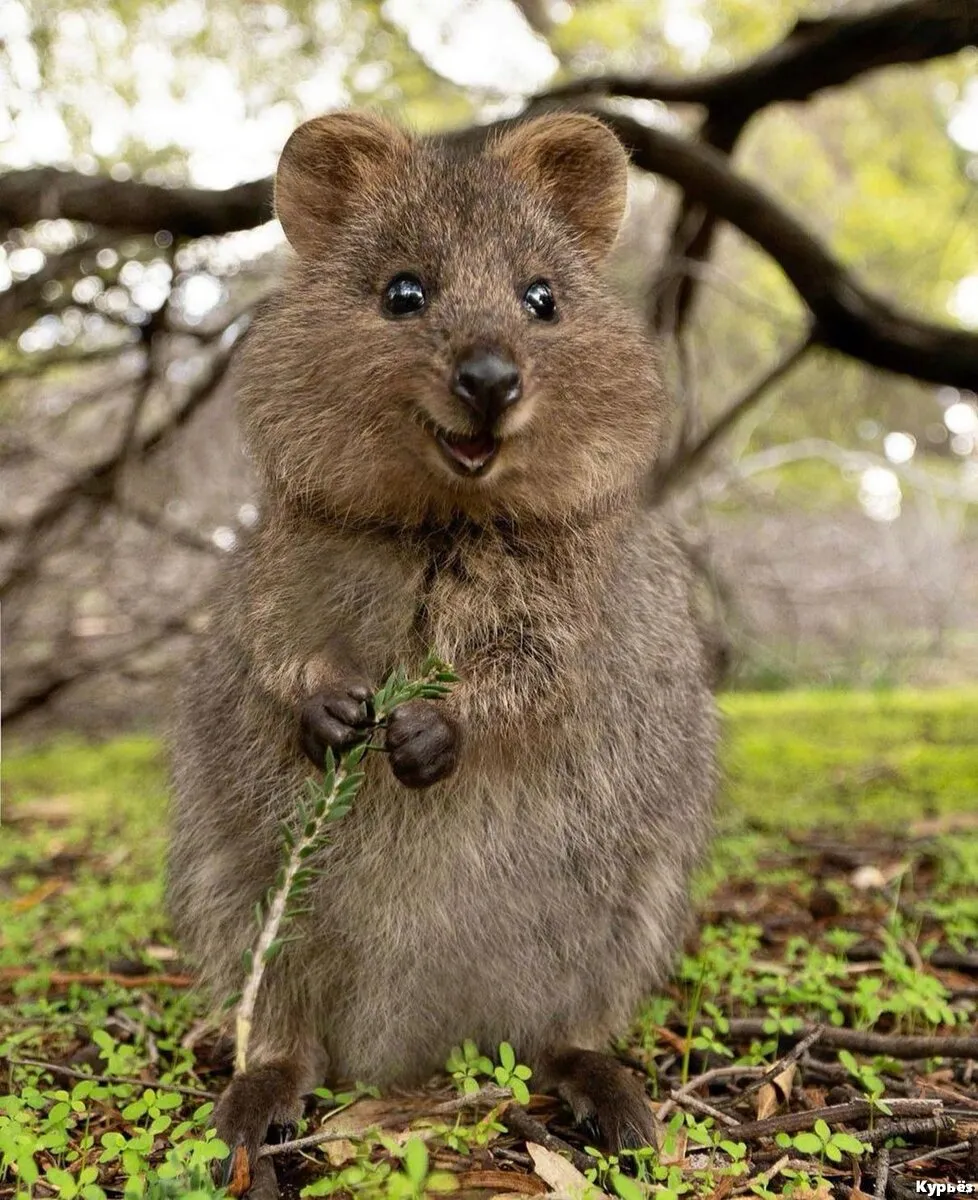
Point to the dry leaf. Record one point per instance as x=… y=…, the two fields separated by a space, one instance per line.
x=723 y=1188
x=240 y=1172
x=339 y=1152
x=822 y=1192
x=772 y=1095
x=865 y=879
x=672 y=1040
x=38 y=895
x=560 y=1175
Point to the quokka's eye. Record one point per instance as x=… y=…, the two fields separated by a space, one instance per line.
x=538 y=300
x=403 y=295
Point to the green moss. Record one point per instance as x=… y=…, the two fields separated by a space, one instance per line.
x=798 y=759
x=81 y=852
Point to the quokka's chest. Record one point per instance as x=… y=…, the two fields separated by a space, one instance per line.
x=498 y=614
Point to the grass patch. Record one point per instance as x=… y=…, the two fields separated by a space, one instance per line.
x=806 y=758
x=843 y=892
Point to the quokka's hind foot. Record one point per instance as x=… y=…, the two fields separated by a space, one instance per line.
x=603 y=1094
x=265 y=1097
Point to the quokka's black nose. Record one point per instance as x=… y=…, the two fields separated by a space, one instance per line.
x=487 y=381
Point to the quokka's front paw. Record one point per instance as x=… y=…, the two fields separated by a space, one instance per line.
x=422 y=744
x=335 y=717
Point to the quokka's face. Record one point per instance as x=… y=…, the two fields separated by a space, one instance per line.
x=448 y=338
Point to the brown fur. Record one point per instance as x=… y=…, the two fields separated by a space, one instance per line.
x=539 y=890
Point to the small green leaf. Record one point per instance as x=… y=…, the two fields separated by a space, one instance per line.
x=625 y=1187
x=808 y=1143
x=356 y=754
x=416 y=1161
x=849 y=1143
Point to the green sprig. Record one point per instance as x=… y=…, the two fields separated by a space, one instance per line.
x=326 y=801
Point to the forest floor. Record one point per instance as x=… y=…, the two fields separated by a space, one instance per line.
x=818 y=1038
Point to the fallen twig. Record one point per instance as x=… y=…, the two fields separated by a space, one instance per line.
x=909 y=1128
x=833 y=1114
x=311 y=1140
x=72 y=1073
x=893 y=1044
x=950 y=1094
x=486 y=1097
x=694 y=1085
x=700 y=1106
x=940 y=1152
x=785 y=1061
x=764 y=1178
x=882 y=1173
x=65 y=978
x=519 y=1121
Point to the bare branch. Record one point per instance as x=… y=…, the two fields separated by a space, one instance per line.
x=98 y=482
x=217 y=368
x=815 y=55
x=833 y=1114
x=159 y=523
x=687 y=458
x=130 y=206
x=671 y=296
x=718 y=483
x=848 y=317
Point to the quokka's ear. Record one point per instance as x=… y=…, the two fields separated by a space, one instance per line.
x=330 y=166
x=580 y=165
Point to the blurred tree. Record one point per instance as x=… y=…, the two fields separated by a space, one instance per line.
x=136 y=141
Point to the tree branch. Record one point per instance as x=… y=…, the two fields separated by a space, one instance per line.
x=815 y=55
x=848 y=317
x=670 y=298
x=130 y=206
x=687 y=458
x=98 y=482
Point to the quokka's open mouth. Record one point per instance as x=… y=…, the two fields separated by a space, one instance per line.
x=468 y=454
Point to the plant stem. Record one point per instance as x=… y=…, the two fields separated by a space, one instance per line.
x=344 y=781
x=273 y=921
